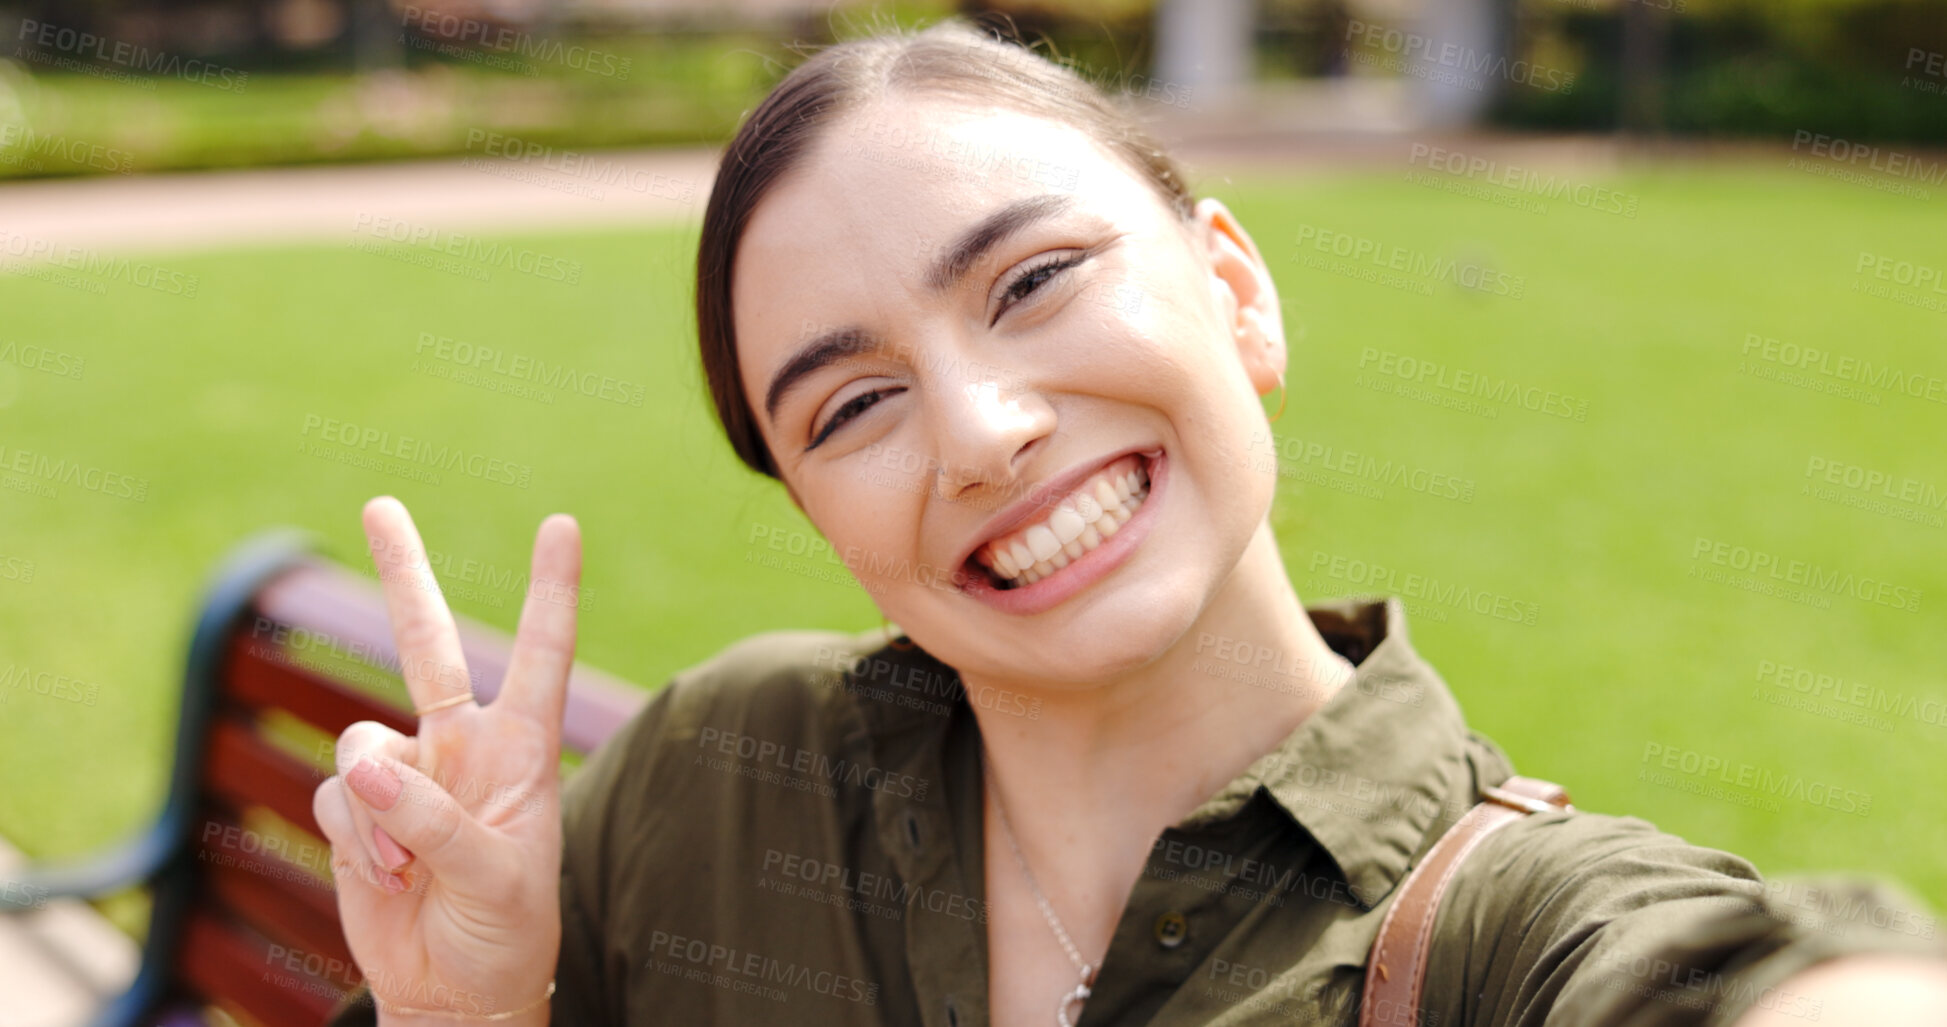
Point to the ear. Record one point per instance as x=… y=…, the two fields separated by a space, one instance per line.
x=1246 y=297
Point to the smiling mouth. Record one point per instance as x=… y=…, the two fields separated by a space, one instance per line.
x=1080 y=522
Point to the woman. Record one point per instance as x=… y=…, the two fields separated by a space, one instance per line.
x=1011 y=369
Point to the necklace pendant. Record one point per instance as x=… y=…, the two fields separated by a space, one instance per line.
x=1080 y=994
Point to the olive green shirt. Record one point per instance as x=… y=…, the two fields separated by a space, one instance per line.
x=791 y=833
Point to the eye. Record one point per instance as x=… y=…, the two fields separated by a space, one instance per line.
x=853 y=407
x=1033 y=278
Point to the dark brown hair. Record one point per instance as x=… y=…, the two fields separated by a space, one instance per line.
x=950 y=57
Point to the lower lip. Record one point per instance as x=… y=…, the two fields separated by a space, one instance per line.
x=1084 y=570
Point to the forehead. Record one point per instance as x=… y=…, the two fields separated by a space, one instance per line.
x=883 y=190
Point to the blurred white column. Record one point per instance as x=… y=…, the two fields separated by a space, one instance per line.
x=1206 y=46
x=1469 y=24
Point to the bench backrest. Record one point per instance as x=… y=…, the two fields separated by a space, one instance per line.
x=290 y=650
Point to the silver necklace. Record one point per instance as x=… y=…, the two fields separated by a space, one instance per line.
x=1082 y=990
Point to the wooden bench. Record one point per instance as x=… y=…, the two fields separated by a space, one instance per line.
x=289 y=649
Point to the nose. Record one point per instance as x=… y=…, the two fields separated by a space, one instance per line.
x=986 y=433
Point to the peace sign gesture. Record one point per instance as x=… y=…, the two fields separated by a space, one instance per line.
x=446 y=845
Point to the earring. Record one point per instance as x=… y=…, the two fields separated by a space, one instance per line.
x=886 y=626
x=1281 y=395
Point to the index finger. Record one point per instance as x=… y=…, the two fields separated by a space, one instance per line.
x=430 y=657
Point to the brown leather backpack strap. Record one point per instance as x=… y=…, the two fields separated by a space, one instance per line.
x=1397 y=968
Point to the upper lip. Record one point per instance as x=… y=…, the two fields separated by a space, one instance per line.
x=1040 y=500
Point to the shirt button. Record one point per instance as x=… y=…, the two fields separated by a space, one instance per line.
x=912 y=829
x=1171 y=929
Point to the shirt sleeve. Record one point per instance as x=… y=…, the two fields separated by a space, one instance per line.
x=1594 y=920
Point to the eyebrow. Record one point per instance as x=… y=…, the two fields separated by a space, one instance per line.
x=976 y=241
x=945 y=273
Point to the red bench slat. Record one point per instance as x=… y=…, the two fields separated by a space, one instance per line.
x=262 y=675
x=244 y=770
x=222 y=963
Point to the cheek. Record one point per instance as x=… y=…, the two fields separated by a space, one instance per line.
x=866 y=516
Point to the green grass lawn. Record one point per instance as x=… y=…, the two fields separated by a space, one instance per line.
x=1590 y=523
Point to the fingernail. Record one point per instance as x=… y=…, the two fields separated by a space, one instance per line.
x=391 y=854
x=375 y=783
x=394 y=884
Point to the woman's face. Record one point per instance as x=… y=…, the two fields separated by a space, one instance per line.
x=1014 y=390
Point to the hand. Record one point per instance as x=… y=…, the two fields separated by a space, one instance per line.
x=446 y=846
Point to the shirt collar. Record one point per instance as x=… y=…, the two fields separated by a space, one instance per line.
x=1368 y=774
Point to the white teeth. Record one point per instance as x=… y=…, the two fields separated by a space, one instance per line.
x=1083 y=521
x=1067 y=526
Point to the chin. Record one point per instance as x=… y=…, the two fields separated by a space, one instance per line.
x=1101 y=641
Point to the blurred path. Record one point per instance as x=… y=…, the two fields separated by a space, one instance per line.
x=198 y=210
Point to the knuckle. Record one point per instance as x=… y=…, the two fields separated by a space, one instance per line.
x=440 y=821
x=421 y=631
x=359 y=739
